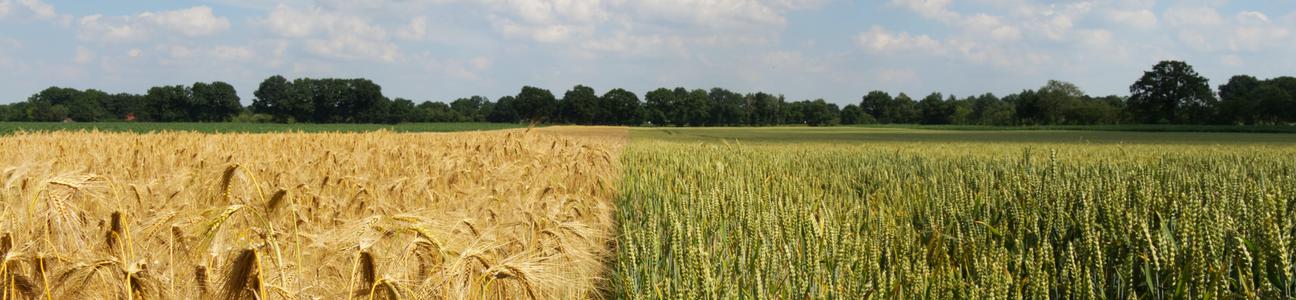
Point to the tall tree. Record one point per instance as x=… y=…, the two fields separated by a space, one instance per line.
x=169 y=103
x=852 y=115
x=535 y=105
x=820 y=113
x=504 y=111
x=935 y=110
x=766 y=109
x=215 y=102
x=904 y=109
x=1236 y=104
x=1172 y=92
x=1275 y=101
x=658 y=107
x=471 y=109
x=272 y=96
x=620 y=107
x=880 y=105
x=580 y=105
x=726 y=107
x=692 y=107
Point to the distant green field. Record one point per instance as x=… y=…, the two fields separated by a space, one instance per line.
x=8 y=127
x=965 y=135
x=1129 y=127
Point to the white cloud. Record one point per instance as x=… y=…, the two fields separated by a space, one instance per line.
x=717 y=13
x=194 y=21
x=1142 y=19
x=1199 y=16
x=1095 y=39
x=233 y=53
x=891 y=75
x=32 y=9
x=40 y=9
x=84 y=55
x=1232 y=60
x=332 y=34
x=288 y=21
x=991 y=26
x=470 y=68
x=625 y=44
x=1254 y=32
x=416 y=30
x=134 y=53
x=177 y=51
x=880 y=40
x=190 y=22
x=109 y=29
x=931 y=9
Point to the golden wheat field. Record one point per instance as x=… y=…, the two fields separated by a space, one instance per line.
x=515 y=214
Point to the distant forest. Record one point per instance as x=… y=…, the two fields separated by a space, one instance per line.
x=1171 y=93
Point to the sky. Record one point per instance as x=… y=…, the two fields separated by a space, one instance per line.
x=441 y=50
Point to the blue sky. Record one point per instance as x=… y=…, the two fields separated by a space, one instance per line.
x=805 y=49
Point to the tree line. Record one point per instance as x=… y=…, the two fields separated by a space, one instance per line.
x=1170 y=93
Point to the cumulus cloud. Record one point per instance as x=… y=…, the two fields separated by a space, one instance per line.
x=1141 y=19
x=83 y=55
x=233 y=53
x=1254 y=32
x=416 y=30
x=194 y=21
x=625 y=44
x=35 y=9
x=332 y=34
x=1196 y=16
x=191 y=22
x=881 y=40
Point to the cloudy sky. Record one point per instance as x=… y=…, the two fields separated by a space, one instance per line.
x=805 y=49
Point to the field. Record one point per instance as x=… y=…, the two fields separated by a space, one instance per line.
x=669 y=213
x=10 y=127
x=505 y=214
x=892 y=213
x=864 y=135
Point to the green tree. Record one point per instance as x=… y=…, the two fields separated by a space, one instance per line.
x=169 y=103
x=535 y=105
x=504 y=111
x=660 y=103
x=935 y=110
x=1172 y=92
x=904 y=110
x=1236 y=104
x=820 y=113
x=215 y=102
x=852 y=115
x=692 y=107
x=765 y=109
x=620 y=107
x=1275 y=102
x=580 y=105
x=880 y=105
x=284 y=102
x=726 y=108
x=471 y=109
x=402 y=110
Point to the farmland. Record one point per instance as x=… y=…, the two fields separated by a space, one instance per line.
x=656 y=213
x=10 y=127
x=844 y=214
x=381 y=215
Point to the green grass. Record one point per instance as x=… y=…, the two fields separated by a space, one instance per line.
x=950 y=135
x=10 y=127
x=922 y=214
x=1129 y=127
